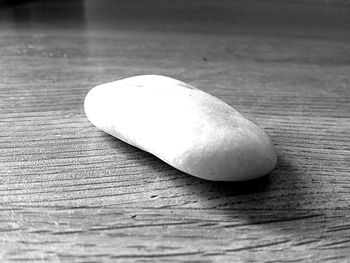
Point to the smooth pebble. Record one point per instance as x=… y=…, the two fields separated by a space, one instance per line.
x=185 y=127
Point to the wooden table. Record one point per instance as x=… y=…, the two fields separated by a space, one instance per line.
x=71 y=193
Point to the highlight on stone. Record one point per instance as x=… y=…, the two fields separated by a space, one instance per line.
x=185 y=127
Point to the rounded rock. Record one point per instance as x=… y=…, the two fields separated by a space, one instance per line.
x=185 y=127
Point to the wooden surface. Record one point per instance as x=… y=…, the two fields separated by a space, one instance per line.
x=71 y=193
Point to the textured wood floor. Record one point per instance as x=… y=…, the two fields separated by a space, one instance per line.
x=70 y=193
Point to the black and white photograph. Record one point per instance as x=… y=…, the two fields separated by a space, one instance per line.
x=175 y=131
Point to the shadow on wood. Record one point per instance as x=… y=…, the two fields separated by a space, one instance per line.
x=273 y=199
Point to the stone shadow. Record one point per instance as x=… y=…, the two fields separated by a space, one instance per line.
x=278 y=200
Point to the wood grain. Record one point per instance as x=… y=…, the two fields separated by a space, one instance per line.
x=71 y=193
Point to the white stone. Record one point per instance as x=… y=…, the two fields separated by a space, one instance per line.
x=185 y=127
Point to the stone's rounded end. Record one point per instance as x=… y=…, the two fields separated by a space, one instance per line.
x=231 y=157
x=97 y=107
x=91 y=106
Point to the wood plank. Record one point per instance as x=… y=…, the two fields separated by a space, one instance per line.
x=71 y=193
